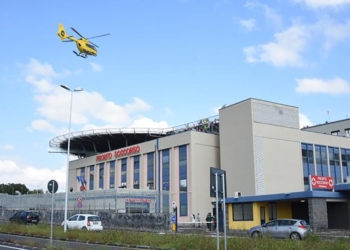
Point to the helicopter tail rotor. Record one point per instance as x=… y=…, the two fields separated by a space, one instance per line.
x=61 y=32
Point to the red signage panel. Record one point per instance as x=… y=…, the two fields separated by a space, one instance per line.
x=323 y=182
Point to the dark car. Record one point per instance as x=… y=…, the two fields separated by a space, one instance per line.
x=25 y=217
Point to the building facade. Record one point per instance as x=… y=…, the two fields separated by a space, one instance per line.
x=176 y=166
x=269 y=162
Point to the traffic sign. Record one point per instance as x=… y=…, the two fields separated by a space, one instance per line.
x=173 y=219
x=52 y=186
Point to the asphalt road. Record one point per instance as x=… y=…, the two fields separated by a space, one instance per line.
x=9 y=241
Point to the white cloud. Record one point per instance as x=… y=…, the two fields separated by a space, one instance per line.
x=249 y=24
x=30 y=176
x=323 y=3
x=285 y=50
x=43 y=85
x=44 y=125
x=145 y=122
x=95 y=66
x=34 y=67
x=54 y=106
x=269 y=13
x=7 y=147
x=332 y=30
x=304 y=121
x=335 y=86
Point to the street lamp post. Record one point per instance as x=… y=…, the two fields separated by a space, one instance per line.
x=68 y=151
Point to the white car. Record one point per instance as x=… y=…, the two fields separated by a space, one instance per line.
x=84 y=221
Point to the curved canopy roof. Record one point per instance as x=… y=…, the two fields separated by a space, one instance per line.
x=91 y=142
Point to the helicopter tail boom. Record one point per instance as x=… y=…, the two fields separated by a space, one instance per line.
x=61 y=32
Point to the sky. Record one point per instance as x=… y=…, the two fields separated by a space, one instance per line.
x=165 y=63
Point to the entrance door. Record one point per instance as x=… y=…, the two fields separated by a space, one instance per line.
x=262 y=215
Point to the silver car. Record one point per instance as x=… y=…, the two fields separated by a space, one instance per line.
x=282 y=228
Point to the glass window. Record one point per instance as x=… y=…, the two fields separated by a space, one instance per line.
x=345 y=162
x=101 y=178
x=183 y=180
x=243 y=212
x=321 y=160
x=183 y=168
x=308 y=163
x=336 y=132
x=334 y=164
x=272 y=211
x=347 y=132
x=112 y=174
x=136 y=172
x=165 y=170
x=183 y=204
x=124 y=171
x=91 y=179
x=150 y=171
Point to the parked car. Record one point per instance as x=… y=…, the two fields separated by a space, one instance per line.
x=282 y=228
x=25 y=217
x=84 y=221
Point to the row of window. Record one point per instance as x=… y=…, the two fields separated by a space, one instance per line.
x=244 y=212
x=183 y=199
x=325 y=161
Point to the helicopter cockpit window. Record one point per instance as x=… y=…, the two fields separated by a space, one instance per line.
x=90 y=46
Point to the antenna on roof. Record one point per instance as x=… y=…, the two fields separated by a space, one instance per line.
x=329 y=119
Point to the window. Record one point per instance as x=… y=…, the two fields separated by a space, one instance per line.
x=150 y=171
x=243 y=212
x=124 y=171
x=165 y=169
x=347 y=132
x=345 y=161
x=83 y=180
x=272 y=211
x=101 y=178
x=112 y=174
x=183 y=204
x=91 y=179
x=321 y=160
x=334 y=164
x=136 y=172
x=183 y=180
x=165 y=179
x=336 y=132
x=183 y=168
x=308 y=163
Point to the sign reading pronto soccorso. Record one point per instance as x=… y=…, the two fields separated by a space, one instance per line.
x=118 y=153
x=323 y=182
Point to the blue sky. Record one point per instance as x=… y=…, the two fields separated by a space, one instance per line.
x=166 y=63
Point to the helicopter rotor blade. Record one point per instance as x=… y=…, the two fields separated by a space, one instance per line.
x=77 y=32
x=98 y=36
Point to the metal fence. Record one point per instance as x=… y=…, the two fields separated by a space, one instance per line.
x=119 y=200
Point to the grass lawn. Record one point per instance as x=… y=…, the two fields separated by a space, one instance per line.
x=173 y=241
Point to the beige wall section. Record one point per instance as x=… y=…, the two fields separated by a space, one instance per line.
x=205 y=153
x=282 y=171
x=236 y=148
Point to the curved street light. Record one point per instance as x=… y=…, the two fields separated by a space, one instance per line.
x=68 y=151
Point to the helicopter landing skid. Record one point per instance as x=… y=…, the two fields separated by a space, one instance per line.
x=79 y=54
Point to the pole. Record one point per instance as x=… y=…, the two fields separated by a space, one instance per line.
x=52 y=189
x=67 y=171
x=217 y=212
x=224 y=209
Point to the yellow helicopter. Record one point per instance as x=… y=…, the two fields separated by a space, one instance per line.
x=85 y=47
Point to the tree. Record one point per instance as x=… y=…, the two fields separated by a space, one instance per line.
x=11 y=188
